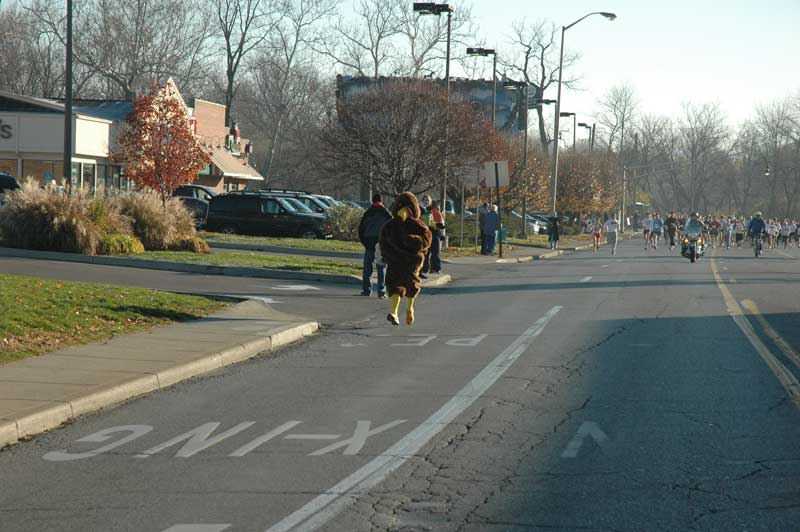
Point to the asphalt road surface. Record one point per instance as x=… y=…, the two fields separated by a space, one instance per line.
x=635 y=392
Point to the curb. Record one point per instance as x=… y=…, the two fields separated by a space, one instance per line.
x=514 y=260
x=232 y=271
x=549 y=255
x=55 y=416
x=287 y=251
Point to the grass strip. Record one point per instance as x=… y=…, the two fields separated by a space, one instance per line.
x=41 y=315
x=257 y=260
x=299 y=243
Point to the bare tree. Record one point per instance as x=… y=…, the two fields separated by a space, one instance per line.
x=534 y=56
x=243 y=24
x=394 y=134
x=702 y=133
x=617 y=110
x=364 y=45
x=134 y=42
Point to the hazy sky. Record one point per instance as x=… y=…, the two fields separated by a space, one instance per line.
x=737 y=52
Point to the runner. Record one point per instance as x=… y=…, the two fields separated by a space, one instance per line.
x=785 y=231
x=647 y=226
x=727 y=231
x=611 y=226
x=672 y=229
x=772 y=232
x=658 y=225
x=715 y=228
x=597 y=230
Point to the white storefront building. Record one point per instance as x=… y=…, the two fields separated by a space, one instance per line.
x=32 y=141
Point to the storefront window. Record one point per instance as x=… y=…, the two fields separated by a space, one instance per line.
x=9 y=166
x=76 y=176
x=102 y=169
x=88 y=178
x=44 y=173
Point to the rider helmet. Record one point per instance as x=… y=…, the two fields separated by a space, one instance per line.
x=757 y=214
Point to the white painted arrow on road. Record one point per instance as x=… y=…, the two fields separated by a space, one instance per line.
x=588 y=428
x=295 y=287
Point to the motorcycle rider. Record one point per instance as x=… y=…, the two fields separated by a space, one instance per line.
x=756 y=227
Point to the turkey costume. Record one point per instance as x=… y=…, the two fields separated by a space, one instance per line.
x=404 y=241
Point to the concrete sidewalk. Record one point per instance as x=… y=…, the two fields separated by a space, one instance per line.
x=41 y=393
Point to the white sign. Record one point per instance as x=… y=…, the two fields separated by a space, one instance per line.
x=487 y=175
x=9 y=125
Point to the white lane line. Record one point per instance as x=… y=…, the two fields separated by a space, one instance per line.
x=197 y=528
x=605 y=265
x=324 y=507
x=586 y=279
x=785 y=254
x=725 y=268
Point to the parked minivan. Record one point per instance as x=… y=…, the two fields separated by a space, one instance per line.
x=263 y=214
x=8 y=183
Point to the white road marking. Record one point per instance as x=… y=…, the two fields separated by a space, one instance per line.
x=725 y=268
x=263 y=299
x=587 y=428
x=136 y=431
x=353 y=345
x=605 y=265
x=314 y=437
x=197 y=528
x=466 y=342
x=362 y=432
x=322 y=508
x=418 y=342
x=586 y=279
x=785 y=254
x=295 y=287
x=244 y=449
x=199 y=439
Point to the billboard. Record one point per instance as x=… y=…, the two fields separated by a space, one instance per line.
x=510 y=115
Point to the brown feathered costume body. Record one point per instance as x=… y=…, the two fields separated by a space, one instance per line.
x=404 y=241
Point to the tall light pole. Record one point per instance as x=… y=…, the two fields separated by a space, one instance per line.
x=68 y=103
x=574 y=127
x=554 y=174
x=591 y=133
x=432 y=8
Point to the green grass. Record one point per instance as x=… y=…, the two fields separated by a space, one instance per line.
x=300 y=243
x=41 y=315
x=257 y=260
x=540 y=241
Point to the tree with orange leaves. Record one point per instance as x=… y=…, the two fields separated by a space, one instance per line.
x=158 y=146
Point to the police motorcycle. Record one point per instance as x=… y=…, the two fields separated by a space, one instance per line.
x=692 y=245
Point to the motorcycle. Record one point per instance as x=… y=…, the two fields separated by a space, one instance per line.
x=692 y=246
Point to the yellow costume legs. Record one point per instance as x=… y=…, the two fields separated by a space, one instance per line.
x=392 y=317
x=410 y=311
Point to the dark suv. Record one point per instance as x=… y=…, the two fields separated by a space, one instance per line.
x=8 y=183
x=311 y=201
x=263 y=214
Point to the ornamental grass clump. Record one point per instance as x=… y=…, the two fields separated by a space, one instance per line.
x=155 y=223
x=344 y=222
x=48 y=220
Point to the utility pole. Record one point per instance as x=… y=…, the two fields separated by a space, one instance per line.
x=68 y=103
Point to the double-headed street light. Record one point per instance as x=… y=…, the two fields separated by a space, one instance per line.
x=554 y=175
x=591 y=134
x=432 y=8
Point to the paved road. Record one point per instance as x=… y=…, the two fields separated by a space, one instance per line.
x=589 y=392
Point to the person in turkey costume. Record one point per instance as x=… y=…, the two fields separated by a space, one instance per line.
x=404 y=241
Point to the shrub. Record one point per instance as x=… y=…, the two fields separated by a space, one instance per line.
x=49 y=220
x=107 y=217
x=118 y=244
x=194 y=244
x=344 y=222
x=154 y=225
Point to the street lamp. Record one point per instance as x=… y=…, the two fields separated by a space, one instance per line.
x=523 y=85
x=432 y=8
x=484 y=52
x=554 y=175
x=591 y=134
x=574 y=127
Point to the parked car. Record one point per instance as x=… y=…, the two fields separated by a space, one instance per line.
x=265 y=215
x=8 y=183
x=353 y=204
x=314 y=203
x=198 y=208
x=331 y=202
x=195 y=191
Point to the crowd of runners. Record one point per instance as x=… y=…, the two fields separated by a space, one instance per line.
x=721 y=231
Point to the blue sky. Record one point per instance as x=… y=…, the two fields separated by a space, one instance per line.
x=739 y=53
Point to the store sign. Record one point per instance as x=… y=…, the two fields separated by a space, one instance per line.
x=8 y=132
